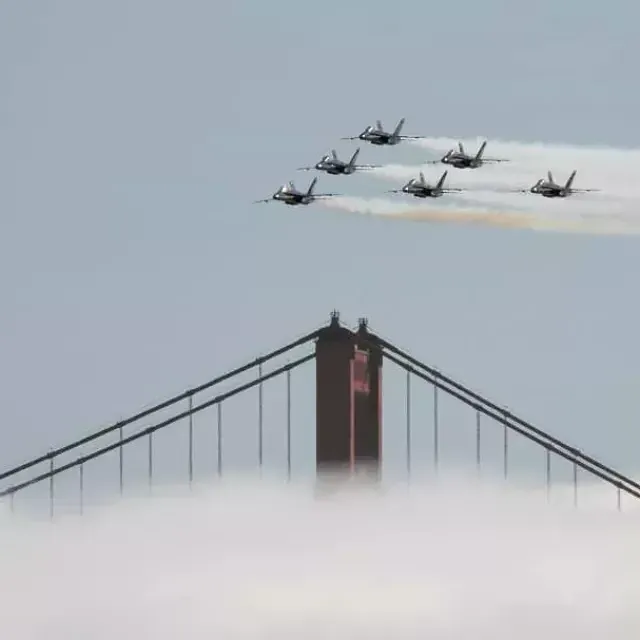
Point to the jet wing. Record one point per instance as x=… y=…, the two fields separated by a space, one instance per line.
x=320 y=196
x=369 y=166
x=305 y=168
x=412 y=137
x=350 y=138
x=266 y=200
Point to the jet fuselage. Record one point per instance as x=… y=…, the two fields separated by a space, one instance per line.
x=332 y=168
x=287 y=197
x=549 y=190
x=378 y=138
x=460 y=162
x=420 y=191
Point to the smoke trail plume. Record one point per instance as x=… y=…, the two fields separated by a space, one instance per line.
x=614 y=171
x=488 y=196
x=466 y=213
x=249 y=562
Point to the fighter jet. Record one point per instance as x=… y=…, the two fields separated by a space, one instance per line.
x=331 y=164
x=378 y=136
x=550 y=189
x=419 y=188
x=288 y=194
x=461 y=160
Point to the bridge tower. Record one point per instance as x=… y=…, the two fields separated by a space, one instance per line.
x=348 y=401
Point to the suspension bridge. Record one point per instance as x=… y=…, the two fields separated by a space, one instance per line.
x=282 y=414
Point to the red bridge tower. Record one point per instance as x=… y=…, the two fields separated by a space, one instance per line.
x=348 y=400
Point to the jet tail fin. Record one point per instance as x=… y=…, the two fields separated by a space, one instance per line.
x=570 y=180
x=398 y=128
x=352 y=162
x=334 y=155
x=481 y=150
x=443 y=177
x=422 y=180
x=312 y=186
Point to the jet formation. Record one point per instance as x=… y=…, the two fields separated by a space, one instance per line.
x=417 y=187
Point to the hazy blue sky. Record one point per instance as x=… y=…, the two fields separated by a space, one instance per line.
x=134 y=135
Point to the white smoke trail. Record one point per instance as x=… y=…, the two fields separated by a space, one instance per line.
x=454 y=562
x=612 y=171
x=614 y=209
x=490 y=182
x=492 y=214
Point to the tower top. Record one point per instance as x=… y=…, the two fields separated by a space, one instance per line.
x=335 y=331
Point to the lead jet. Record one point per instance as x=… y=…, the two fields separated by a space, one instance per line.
x=378 y=136
x=550 y=189
x=332 y=165
x=462 y=160
x=419 y=188
x=288 y=194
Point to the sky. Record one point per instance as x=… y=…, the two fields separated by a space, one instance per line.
x=134 y=136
